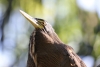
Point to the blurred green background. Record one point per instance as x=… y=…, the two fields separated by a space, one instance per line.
x=77 y=23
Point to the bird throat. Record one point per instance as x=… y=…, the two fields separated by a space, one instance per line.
x=44 y=37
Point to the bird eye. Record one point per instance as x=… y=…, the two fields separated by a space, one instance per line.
x=42 y=23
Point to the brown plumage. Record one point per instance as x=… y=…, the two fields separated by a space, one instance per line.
x=47 y=50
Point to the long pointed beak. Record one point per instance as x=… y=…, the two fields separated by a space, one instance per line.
x=32 y=20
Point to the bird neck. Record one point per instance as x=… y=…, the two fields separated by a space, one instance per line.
x=56 y=38
x=43 y=37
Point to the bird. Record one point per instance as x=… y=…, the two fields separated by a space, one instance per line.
x=46 y=49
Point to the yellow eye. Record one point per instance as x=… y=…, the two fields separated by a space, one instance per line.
x=41 y=22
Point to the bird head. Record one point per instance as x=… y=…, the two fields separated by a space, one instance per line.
x=43 y=28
